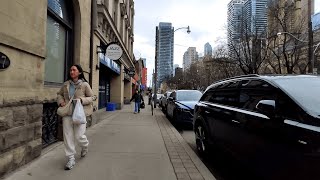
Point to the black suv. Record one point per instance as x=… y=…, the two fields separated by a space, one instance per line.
x=271 y=124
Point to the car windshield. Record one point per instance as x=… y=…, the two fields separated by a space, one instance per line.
x=189 y=95
x=305 y=91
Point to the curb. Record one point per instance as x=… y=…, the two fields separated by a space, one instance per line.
x=194 y=157
x=177 y=147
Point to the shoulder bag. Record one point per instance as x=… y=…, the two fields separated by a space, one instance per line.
x=63 y=111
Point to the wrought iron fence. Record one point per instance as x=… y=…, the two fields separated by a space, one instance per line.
x=50 y=124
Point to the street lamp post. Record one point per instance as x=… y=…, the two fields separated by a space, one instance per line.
x=187 y=28
x=156 y=61
x=311 y=57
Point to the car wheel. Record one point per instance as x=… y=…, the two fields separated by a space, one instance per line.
x=175 y=120
x=174 y=117
x=201 y=139
x=167 y=114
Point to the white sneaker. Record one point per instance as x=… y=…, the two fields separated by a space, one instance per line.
x=84 y=151
x=70 y=164
x=135 y=113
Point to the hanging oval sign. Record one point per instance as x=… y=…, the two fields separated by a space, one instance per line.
x=4 y=61
x=131 y=73
x=114 y=51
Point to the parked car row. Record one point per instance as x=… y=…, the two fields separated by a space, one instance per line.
x=164 y=100
x=270 y=124
x=158 y=98
x=179 y=105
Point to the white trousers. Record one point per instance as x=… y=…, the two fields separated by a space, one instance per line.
x=73 y=134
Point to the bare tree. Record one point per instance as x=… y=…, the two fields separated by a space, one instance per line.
x=250 y=49
x=203 y=73
x=227 y=66
x=286 y=52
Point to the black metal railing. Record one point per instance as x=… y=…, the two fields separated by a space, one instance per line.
x=50 y=121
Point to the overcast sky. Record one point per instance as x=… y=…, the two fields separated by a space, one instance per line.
x=207 y=20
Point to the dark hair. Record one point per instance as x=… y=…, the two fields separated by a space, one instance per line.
x=81 y=75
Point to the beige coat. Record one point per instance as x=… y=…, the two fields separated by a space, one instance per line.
x=83 y=91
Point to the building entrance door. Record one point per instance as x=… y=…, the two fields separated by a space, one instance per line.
x=104 y=87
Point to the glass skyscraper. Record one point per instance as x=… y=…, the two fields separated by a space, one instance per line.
x=207 y=49
x=234 y=19
x=164 y=50
x=234 y=25
x=246 y=18
x=255 y=17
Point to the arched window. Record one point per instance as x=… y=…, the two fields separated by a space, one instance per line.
x=59 y=41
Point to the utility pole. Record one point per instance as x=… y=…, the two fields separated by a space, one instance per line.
x=156 y=69
x=140 y=74
x=310 y=37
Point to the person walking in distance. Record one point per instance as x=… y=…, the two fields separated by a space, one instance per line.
x=150 y=97
x=76 y=87
x=137 y=97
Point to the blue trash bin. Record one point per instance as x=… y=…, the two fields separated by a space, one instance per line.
x=111 y=106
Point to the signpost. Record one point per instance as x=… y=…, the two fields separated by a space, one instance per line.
x=4 y=61
x=131 y=72
x=114 y=51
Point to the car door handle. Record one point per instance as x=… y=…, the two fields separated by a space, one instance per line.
x=236 y=121
x=302 y=142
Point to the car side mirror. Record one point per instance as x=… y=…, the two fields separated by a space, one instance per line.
x=267 y=107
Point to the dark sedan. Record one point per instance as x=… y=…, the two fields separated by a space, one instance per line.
x=181 y=104
x=271 y=124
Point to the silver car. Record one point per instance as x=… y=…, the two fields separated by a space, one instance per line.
x=158 y=98
x=164 y=101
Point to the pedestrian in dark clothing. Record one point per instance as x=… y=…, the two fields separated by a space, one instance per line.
x=137 y=97
x=150 y=96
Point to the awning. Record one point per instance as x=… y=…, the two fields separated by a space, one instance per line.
x=109 y=63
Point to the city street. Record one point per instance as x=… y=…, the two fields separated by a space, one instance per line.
x=248 y=80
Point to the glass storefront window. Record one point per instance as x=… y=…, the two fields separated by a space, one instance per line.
x=59 y=7
x=56 y=52
x=59 y=46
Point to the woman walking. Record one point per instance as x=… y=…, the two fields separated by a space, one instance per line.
x=76 y=87
x=137 y=97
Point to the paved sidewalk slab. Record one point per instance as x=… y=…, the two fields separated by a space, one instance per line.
x=125 y=146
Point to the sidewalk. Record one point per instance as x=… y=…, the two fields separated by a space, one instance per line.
x=124 y=146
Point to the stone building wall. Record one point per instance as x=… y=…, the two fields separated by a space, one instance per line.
x=22 y=40
x=24 y=95
x=22 y=90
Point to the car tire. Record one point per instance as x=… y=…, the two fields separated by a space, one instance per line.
x=167 y=114
x=202 y=139
x=175 y=120
x=174 y=117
